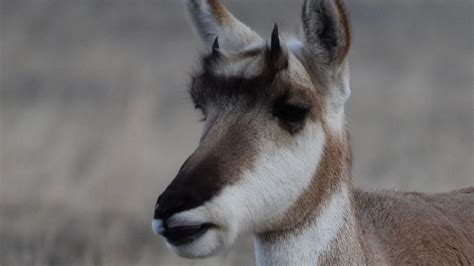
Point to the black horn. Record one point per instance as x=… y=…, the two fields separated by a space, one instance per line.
x=275 y=46
x=278 y=53
x=215 y=47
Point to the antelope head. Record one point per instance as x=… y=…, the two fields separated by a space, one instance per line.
x=274 y=140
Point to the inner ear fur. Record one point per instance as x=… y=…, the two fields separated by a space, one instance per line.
x=326 y=44
x=327 y=36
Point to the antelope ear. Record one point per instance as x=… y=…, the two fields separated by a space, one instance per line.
x=327 y=40
x=327 y=36
x=211 y=19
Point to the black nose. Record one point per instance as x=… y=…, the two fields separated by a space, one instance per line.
x=175 y=200
x=190 y=188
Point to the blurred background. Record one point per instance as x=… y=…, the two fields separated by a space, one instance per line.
x=96 y=120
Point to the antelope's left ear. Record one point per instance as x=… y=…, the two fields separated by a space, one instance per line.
x=326 y=44
x=326 y=31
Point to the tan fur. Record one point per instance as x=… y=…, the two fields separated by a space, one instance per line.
x=415 y=228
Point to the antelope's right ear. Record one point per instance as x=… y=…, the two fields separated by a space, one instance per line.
x=211 y=19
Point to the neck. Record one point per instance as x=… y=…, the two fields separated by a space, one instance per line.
x=329 y=232
x=330 y=236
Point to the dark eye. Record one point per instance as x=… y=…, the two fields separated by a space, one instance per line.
x=290 y=113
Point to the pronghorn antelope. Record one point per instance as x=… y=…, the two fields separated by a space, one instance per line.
x=274 y=160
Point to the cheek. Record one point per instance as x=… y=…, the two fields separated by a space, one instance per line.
x=278 y=177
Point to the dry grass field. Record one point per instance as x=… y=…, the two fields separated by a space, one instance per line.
x=95 y=118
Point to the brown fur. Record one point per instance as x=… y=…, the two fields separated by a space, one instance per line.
x=231 y=148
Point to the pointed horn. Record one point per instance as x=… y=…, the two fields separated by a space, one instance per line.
x=278 y=52
x=215 y=47
x=275 y=46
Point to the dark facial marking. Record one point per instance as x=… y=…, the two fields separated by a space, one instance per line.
x=207 y=171
x=209 y=87
x=189 y=189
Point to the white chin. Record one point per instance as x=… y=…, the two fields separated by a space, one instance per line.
x=207 y=245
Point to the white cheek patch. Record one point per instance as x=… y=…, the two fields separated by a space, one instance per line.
x=280 y=176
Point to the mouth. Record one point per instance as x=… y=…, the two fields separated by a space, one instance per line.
x=180 y=235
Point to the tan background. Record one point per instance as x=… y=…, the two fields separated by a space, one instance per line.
x=95 y=118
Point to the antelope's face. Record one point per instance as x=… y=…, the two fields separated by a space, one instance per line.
x=268 y=109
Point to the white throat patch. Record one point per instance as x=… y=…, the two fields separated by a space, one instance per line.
x=306 y=247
